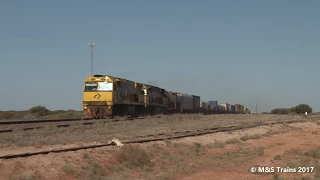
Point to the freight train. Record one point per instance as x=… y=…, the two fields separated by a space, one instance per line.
x=108 y=96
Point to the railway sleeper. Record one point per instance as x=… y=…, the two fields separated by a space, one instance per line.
x=63 y=125
x=4 y=131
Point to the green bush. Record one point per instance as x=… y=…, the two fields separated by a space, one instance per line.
x=39 y=110
x=280 y=111
x=299 y=109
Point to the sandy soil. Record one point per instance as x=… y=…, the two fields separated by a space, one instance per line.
x=174 y=160
x=303 y=139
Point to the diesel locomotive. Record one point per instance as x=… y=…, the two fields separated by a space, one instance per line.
x=108 y=96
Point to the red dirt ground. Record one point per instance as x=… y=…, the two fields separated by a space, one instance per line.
x=304 y=139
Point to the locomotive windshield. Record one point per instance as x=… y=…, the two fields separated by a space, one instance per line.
x=104 y=86
x=100 y=86
x=91 y=87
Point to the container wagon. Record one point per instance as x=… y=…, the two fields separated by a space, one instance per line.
x=183 y=103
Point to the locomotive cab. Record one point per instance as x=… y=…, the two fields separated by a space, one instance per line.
x=98 y=96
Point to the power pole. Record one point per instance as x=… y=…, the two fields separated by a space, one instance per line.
x=92 y=45
x=256 y=109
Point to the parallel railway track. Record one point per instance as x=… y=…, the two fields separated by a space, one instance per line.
x=151 y=138
x=42 y=121
x=84 y=121
x=63 y=120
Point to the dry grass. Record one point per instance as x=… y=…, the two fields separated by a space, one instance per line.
x=314 y=153
x=179 y=158
x=160 y=161
x=68 y=169
x=216 y=144
x=297 y=158
x=247 y=137
x=232 y=141
x=167 y=160
x=277 y=157
x=92 y=169
x=133 y=156
x=294 y=152
x=242 y=152
x=126 y=130
x=276 y=176
x=27 y=115
x=24 y=177
x=170 y=160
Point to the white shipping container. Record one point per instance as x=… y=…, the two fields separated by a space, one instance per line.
x=228 y=107
x=203 y=104
x=223 y=105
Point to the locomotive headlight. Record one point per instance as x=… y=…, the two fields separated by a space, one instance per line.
x=109 y=107
x=85 y=107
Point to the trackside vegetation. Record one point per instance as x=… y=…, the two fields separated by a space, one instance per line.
x=40 y=112
x=299 y=109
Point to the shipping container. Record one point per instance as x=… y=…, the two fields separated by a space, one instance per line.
x=237 y=108
x=233 y=108
x=204 y=104
x=196 y=102
x=156 y=95
x=214 y=103
x=186 y=101
x=172 y=97
x=227 y=107
x=244 y=110
x=223 y=105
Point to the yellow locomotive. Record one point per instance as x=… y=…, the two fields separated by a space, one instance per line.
x=106 y=95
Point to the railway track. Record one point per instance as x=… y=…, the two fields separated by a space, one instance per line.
x=151 y=138
x=12 y=122
x=15 y=122
x=42 y=123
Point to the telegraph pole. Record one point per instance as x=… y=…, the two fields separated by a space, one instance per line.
x=92 y=45
x=256 y=109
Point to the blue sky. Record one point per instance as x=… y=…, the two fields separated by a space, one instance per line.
x=246 y=52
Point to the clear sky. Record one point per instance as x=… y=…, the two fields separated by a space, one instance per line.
x=246 y=52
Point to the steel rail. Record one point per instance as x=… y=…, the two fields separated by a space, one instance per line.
x=202 y=132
